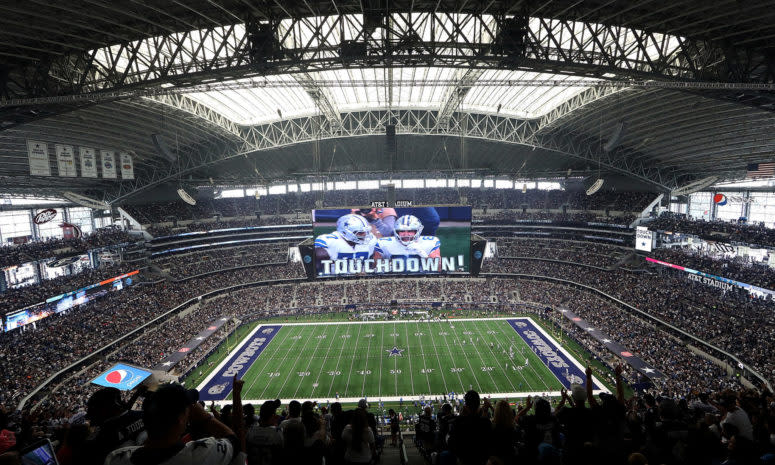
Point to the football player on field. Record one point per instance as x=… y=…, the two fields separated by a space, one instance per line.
x=352 y=239
x=408 y=241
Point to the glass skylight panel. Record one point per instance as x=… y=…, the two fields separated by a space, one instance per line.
x=259 y=105
x=520 y=101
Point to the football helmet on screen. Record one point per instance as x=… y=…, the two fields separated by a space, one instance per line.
x=407 y=223
x=354 y=228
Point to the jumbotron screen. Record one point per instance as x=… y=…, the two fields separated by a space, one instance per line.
x=384 y=241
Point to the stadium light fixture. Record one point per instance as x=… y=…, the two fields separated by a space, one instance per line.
x=595 y=186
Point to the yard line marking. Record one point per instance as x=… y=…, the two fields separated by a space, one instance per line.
x=481 y=360
x=310 y=363
x=366 y=367
x=352 y=361
x=381 y=347
x=295 y=361
x=265 y=361
x=422 y=356
x=452 y=358
x=496 y=359
x=409 y=356
x=473 y=373
x=436 y=353
x=331 y=385
x=325 y=359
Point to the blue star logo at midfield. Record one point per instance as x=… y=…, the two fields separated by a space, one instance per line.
x=394 y=351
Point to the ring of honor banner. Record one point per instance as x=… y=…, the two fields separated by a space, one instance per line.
x=174 y=358
x=37 y=152
x=618 y=349
x=88 y=162
x=108 y=162
x=66 y=160
x=127 y=168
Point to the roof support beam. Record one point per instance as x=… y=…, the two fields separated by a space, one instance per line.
x=322 y=98
x=419 y=122
x=456 y=94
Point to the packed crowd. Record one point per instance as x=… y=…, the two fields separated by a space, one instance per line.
x=304 y=202
x=703 y=427
x=727 y=426
x=738 y=268
x=11 y=255
x=206 y=261
x=732 y=320
x=63 y=338
x=600 y=255
x=715 y=230
x=25 y=296
x=584 y=219
x=684 y=369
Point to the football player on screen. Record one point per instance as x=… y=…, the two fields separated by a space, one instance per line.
x=408 y=241
x=352 y=239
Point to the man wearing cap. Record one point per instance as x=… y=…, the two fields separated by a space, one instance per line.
x=118 y=426
x=264 y=441
x=167 y=413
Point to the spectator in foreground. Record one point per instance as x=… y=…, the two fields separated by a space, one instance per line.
x=117 y=426
x=166 y=414
x=264 y=441
x=469 y=439
x=426 y=429
x=359 y=440
x=504 y=434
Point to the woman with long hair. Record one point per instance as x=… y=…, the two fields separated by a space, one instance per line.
x=358 y=439
x=504 y=433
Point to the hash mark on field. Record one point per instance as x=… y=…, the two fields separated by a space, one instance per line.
x=441 y=370
x=496 y=358
x=325 y=358
x=331 y=385
x=293 y=368
x=473 y=373
x=409 y=356
x=366 y=366
x=352 y=361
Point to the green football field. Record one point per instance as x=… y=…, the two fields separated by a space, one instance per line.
x=392 y=360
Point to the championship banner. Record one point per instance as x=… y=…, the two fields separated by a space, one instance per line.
x=66 y=160
x=174 y=358
x=108 y=162
x=37 y=152
x=127 y=168
x=618 y=349
x=88 y=162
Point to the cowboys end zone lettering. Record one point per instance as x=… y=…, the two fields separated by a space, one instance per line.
x=549 y=353
x=219 y=387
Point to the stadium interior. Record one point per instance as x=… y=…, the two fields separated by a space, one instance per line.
x=373 y=231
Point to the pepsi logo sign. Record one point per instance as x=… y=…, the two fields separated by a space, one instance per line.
x=116 y=376
x=45 y=216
